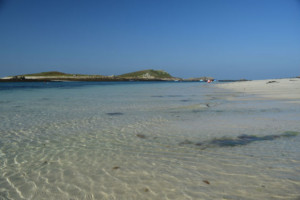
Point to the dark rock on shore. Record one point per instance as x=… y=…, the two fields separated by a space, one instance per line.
x=271 y=82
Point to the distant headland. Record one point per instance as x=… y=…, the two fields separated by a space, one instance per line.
x=144 y=75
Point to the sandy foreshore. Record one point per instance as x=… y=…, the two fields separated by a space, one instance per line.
x=272 y=89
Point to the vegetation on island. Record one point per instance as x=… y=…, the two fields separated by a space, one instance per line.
x=150 y=73
x=56 y=73
x=51 y=73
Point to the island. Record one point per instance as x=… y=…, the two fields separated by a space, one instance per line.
x=143 y=75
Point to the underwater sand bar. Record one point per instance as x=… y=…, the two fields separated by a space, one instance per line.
x=272 y=89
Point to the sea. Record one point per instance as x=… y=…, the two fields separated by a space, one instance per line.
x=146 y=140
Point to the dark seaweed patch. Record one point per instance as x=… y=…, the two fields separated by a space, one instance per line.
x=199 y=144
x=45 y=99
x=160 y=96
x=197 y=111
x=228 y=142
x=247 y=139
x=4 y=102
x=45 y=162
x=185 y=100
x=141 y=136
x=175 y=95
x=239 y=140
x=4 y=195
x=186 y=142
x=114 y=113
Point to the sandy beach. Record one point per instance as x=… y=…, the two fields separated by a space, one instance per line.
x=271 y=89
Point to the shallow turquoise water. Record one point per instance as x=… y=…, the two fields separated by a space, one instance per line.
x=144 y=141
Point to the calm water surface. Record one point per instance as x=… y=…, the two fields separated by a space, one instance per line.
x=134 y=140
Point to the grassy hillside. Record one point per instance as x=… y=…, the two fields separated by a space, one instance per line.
x=52 y=73
x=56 y=73
x=147 y=74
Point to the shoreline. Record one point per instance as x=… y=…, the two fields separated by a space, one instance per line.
x=287 y=89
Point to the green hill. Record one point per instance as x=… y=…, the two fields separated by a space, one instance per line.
x=150 y=74
x=56 y=73
x=51 y=73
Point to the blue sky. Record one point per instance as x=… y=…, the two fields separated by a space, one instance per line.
x=226 y=39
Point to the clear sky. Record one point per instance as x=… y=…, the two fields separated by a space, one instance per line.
x=226 y=39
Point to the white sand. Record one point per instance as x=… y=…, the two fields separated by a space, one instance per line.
x=281 y=89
